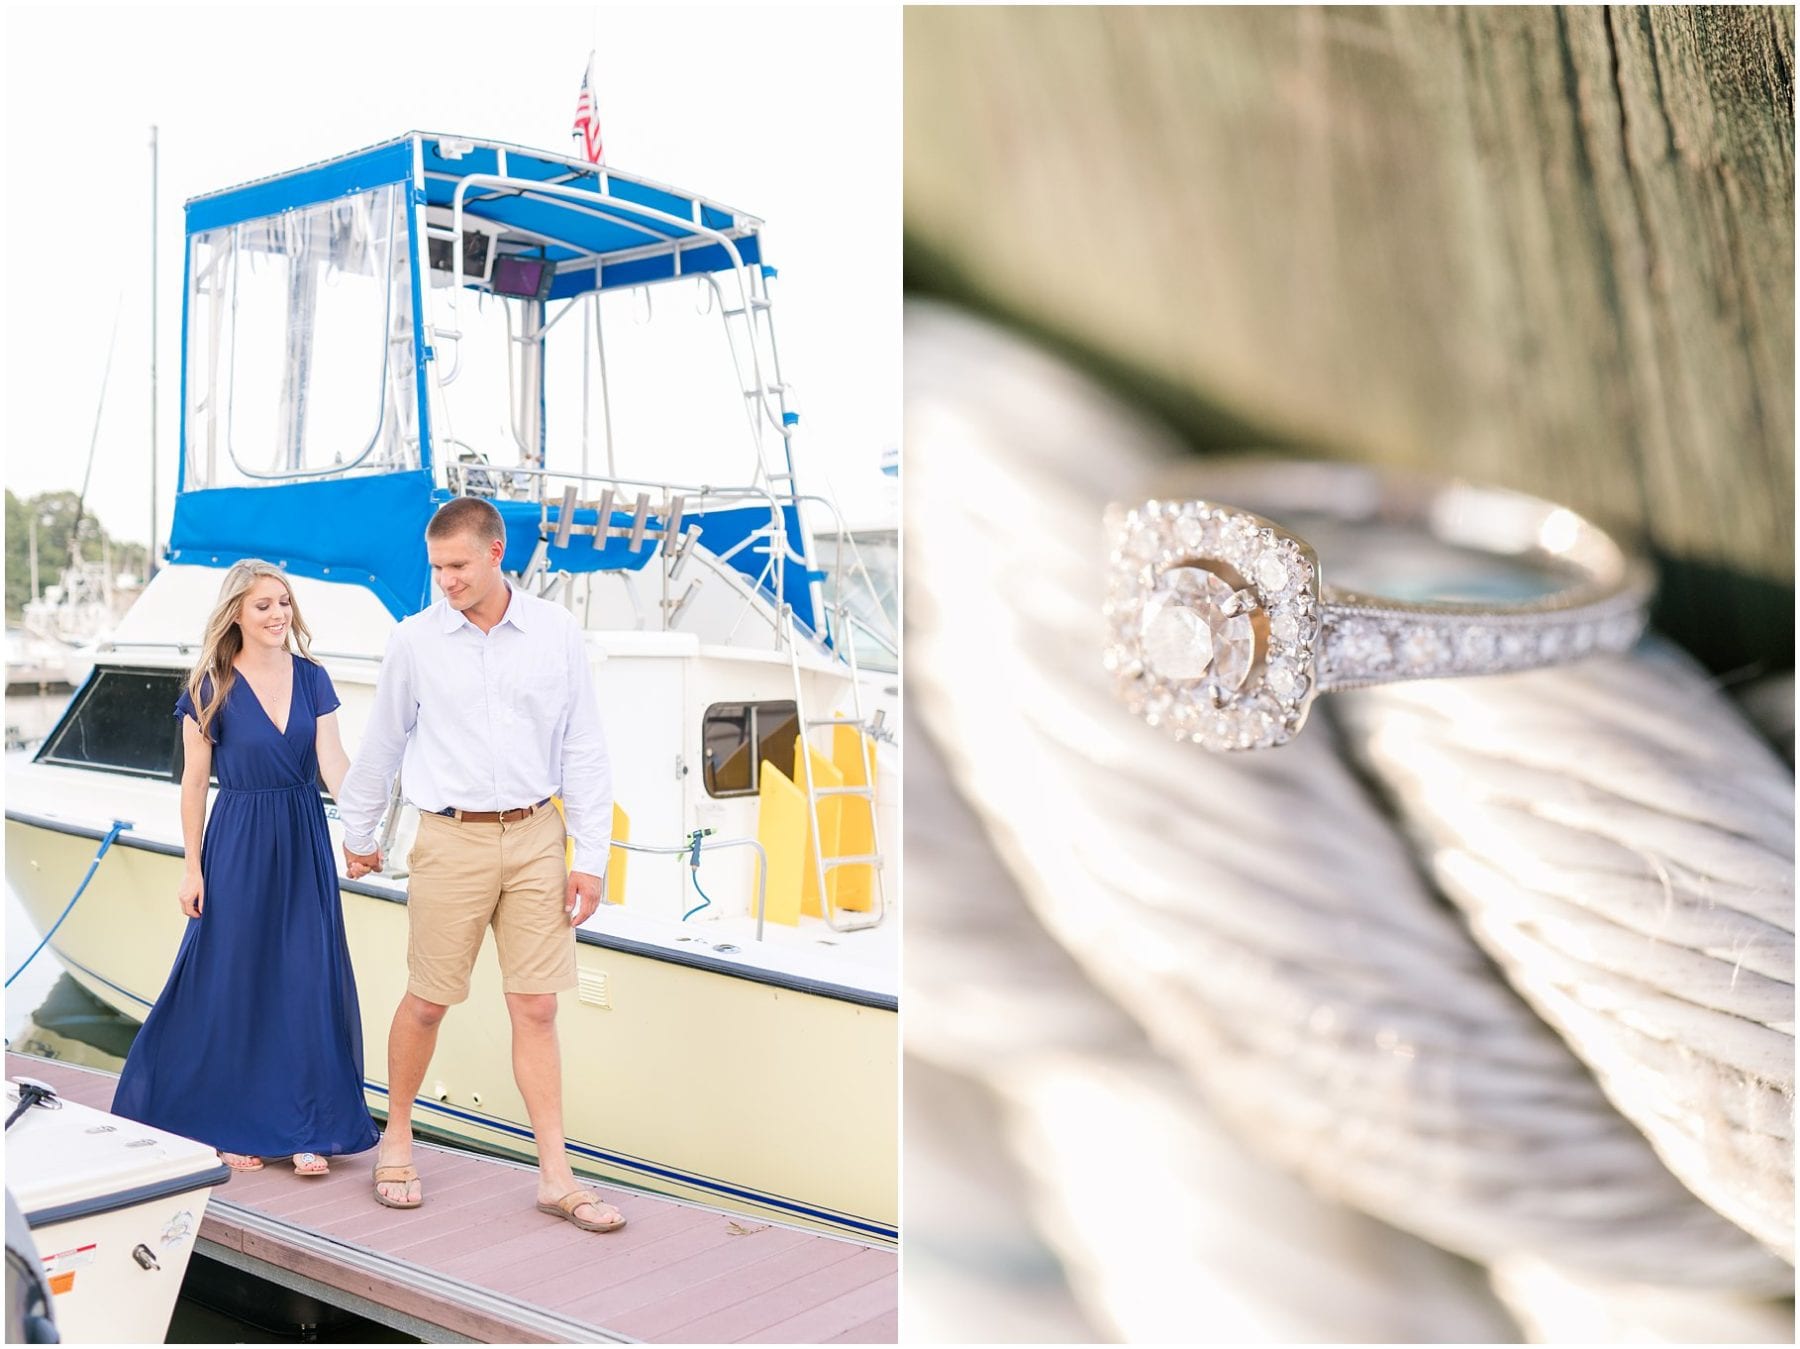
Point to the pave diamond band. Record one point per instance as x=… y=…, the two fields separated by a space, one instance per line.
x=1222 y=629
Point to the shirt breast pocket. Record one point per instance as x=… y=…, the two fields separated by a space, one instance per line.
x=540 y=698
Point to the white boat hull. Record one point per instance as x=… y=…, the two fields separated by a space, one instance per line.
x=114 y=1217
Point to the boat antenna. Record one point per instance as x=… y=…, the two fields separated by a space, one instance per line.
x=150 y=565
x=94 y=439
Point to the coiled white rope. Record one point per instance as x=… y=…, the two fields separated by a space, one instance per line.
x=1262 y=919
x=1034 y=1105
x=1622 y=845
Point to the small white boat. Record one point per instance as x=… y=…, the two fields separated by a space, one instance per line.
x=114 y=1208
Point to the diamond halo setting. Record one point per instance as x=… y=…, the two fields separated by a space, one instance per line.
x=1220 y=630
x=1213 y=614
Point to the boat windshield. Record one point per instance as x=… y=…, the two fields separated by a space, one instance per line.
x=300 y=345
x=641 y=386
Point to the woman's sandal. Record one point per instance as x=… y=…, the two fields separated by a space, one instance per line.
x=315 y=1164
x=243 y=1162
x=395 y=1175
x=565 y=1208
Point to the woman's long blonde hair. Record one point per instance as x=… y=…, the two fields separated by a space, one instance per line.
x=224 y=639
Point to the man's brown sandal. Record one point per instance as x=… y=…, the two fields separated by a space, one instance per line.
x=565 y=1208
x=395 y=1175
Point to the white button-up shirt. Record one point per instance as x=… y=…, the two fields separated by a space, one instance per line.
x=485 y=721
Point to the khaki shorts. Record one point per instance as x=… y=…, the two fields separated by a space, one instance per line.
x=467 y=877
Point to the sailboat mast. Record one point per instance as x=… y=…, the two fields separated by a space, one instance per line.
x=150 y=566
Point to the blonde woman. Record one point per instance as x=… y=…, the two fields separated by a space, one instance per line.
x=255 y=1045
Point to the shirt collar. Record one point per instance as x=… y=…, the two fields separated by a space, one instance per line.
x=515 y=613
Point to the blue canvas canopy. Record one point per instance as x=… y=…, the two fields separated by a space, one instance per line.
x=637 y=230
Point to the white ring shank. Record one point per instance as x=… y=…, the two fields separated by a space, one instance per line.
x=1372 y=639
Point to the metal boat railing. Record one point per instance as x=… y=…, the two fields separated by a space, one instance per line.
x=687 y=849
x=678 y=501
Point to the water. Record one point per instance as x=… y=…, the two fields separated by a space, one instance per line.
x=28 y=717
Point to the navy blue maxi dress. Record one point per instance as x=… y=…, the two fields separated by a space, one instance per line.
x=255 y=1045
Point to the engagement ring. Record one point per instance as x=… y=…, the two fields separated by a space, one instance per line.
x=1223 y=629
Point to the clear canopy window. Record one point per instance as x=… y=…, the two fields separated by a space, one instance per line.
x=300 y=345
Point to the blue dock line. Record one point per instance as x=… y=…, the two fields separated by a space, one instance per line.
x=118 y=827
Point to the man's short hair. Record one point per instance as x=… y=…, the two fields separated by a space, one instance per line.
x=467 y=514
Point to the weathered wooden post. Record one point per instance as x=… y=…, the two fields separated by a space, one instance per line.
x=1550 y=248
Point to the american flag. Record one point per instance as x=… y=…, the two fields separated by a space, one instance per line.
x=587 y=118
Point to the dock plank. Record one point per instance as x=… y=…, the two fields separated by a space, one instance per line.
x=349 y=1185
x=221 y=1233
x=541 y=1234
x=833 y=1318
x=884 y=1329
x=743 y=1319
x=541 y=1277
x=724 y=1286
x=389 y=1290
x=373 y=1224
x=672 y=1249
x=729 y=1258
x=729 y=1302
x=502 y=1227
x=478 y=1261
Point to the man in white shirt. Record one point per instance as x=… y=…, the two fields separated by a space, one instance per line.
x=487 y=698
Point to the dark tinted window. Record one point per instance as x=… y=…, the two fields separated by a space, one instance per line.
x=123 y=720
x=737 y=737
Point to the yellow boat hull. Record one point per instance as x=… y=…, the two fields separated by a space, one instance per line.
x=714 y=1087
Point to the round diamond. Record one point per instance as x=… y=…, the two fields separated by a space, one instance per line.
x=1238 y=542
x=1285 y=628
x=1272 y=573
x=1177 y=642
x=1144 y=545
x=1187 y=631
x=1193 y=533
x=1423 y=648
x=1478 y=646
x=1357 y=648
x=1285 y=682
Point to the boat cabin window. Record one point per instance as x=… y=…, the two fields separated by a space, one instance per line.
x=300 y=345
x=122 y=721
x=738 y=737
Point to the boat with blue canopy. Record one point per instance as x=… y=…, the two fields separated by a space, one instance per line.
x=594 y=352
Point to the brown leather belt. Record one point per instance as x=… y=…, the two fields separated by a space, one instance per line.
x=493 y=816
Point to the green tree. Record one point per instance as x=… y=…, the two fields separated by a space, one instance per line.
x=55 y=513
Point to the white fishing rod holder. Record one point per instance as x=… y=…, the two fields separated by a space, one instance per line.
x=678 y=501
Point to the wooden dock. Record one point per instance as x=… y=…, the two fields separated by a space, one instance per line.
x=478 y=1263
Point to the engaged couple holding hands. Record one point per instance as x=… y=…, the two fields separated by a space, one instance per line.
x=486 y=708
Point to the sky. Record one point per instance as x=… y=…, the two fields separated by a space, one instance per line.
x=789 y=114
